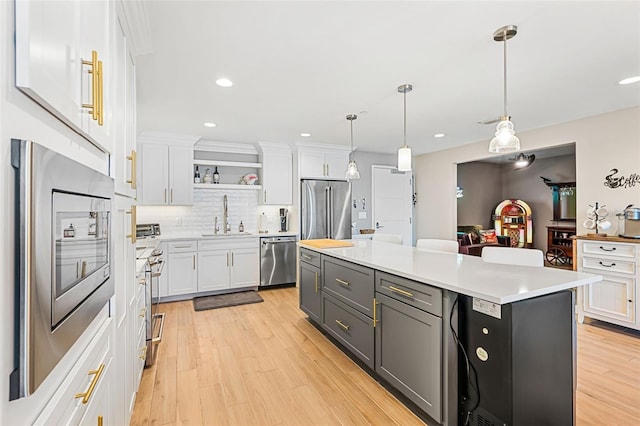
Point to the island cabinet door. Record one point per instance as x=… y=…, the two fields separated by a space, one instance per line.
x=409 y=352
x=311 y=292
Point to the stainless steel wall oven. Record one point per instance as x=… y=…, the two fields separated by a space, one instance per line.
x=63 y=254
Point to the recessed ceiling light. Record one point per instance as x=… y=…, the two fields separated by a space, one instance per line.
x=630 y=80
x=439 y=135
x=224 y=82
x=207 y=124
x=305 y=135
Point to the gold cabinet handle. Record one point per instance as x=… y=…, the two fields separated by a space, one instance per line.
x=375 y=317
x=227 y=259
x=183 y=246
x=232 y=259
x=100 y=421
x=194 y=262
x=93 y=106
x=306 y=256
x=400 y=291
x=343 y=325
x=265 y=195
x=142 y=313
x=316 y=281
x=171 y=195
x=143 y=355
x=96 y=376
x=134 y=171
x=134 y=213
x=142 y=282
x=165 y=195
x=100 y=103
x=343 y=282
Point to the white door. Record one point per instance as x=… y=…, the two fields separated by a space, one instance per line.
x=213 y=270
x=180 y=175
x=245 y=271
x=336 y=164
x=391 y=208
x=312 y=164
x=182 y=273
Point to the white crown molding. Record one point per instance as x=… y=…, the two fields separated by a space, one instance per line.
x=226 y=147
x=274 y=145
x=136 y=21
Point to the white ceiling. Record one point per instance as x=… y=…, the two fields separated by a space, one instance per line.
x=301 y=66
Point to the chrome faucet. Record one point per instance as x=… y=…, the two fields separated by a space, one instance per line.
x=225 y=215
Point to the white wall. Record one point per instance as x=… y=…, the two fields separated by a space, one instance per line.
x=603 y=142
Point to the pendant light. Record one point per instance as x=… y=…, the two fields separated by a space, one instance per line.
x=404 y=152
x=352 y=169
x=505 y=139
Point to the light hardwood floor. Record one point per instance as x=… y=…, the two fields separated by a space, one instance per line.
x=264 y=364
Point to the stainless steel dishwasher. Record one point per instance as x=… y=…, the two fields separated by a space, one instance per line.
x=277 y=260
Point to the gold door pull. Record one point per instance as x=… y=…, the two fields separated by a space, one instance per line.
x=343 y=325
x=134 y=172
x=400 y=291
x=143 y=355
x=375 y=317
x=96 y=376
x=93 y=106
x=343 y=282
x=133 y=212
x=316 y=281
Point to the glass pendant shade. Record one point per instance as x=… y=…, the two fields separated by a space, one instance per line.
x=404 y=159
x=505 y=139
x=352 y=171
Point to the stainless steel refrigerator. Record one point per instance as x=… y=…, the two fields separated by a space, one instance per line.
x=325 y=209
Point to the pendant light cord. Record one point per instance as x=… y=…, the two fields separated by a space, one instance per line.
x=405 y=117
x=351 y=153
x=504 y=35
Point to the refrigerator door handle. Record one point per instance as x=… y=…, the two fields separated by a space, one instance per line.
x=327 y=206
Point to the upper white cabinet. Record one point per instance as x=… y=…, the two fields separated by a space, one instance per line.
x=166 y=167
x=123 y=161
x=322 y=161
x=277 y=173
x=63 y=62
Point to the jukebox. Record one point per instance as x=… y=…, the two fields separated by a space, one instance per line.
x=513 y=219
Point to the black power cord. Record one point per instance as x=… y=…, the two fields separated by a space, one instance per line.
x=469 y=367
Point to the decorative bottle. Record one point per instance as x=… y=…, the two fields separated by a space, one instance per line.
x=207 y=176
x=196 y=176
x=216 y=176
x=241 y=227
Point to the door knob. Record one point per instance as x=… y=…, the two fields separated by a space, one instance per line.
x=378 y=226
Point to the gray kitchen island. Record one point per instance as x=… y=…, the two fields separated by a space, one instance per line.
x=464 y=341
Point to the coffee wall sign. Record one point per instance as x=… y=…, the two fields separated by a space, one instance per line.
x=614 y=180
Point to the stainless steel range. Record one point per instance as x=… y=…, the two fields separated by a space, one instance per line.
x=154 y=321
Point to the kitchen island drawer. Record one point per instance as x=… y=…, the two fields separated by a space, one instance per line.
x=351 y=328
x=609 y=249
x=310 y=257
x=418 y=295
x=608 y=265
x=349 y=283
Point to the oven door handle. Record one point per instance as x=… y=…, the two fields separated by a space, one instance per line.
x=158 y=338
x=159 y=272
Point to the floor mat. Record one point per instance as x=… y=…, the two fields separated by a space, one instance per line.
x=223 y=300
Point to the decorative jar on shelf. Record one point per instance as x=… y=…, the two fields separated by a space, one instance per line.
x=207 y=176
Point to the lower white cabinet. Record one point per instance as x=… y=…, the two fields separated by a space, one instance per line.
x=226 y=263
x=86 y=394
x=614 y=298
x=183 y=267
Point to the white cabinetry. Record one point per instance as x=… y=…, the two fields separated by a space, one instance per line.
x=123 y=161
x=86 y=396
x=166 y=171
x=227 y=263
x=614 y=298
x=182 y=267
x=277 y=173
x=56 y=66
x=318 y=161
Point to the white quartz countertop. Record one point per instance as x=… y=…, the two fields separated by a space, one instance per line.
x=221 y=235
x=460 y=273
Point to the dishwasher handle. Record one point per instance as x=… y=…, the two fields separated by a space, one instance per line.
x=278 y=240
